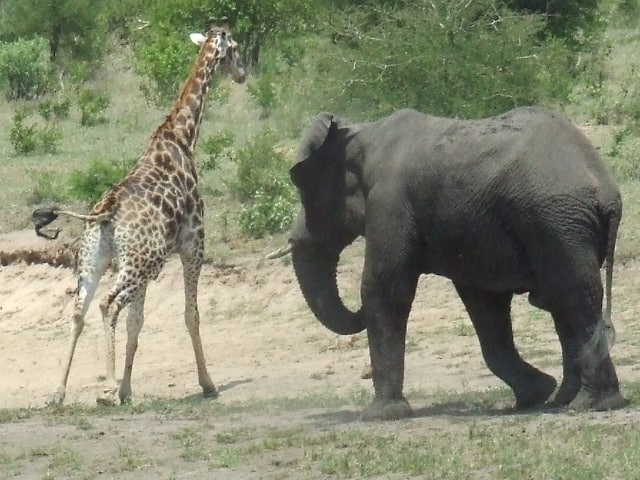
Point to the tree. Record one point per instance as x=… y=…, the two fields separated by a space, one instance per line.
x=65 y=24
x=253 y=21
x=564 y=17
x=163 y=55
x=445 y=57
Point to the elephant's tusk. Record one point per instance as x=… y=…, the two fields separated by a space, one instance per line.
x=281 y=252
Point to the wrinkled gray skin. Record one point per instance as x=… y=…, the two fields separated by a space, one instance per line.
x=515 y=203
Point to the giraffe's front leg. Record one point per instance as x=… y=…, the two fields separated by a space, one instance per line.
x=110 y=309
x=191 y=266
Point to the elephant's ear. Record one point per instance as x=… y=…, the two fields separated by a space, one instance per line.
x=321 y=128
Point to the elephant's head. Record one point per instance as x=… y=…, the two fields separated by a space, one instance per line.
x=331 y=217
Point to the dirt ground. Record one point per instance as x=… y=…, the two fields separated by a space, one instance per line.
x=260 y=339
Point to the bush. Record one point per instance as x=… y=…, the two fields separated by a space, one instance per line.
x=215 y=146
x=264 y=93
x=624 y=153
x=101 y=176
x=92 y=105
x=25 y=68
x=458 y=59
x=47 y=187
x=163 y=61
x=52 y=110
x=33 y=137
x=271 y=210
x=23 y=137
x=262 y=184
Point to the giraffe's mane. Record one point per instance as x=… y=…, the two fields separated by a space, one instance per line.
x=185 y=92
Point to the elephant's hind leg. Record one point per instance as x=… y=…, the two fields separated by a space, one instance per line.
x=491 y=317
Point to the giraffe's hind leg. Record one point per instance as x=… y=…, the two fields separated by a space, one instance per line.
x=93 y=261
x=135 y=319
x=191 y=265
x=111 y=305
x=110 y=308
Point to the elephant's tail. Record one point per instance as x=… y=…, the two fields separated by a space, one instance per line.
x=44 y=216
x=614 y=217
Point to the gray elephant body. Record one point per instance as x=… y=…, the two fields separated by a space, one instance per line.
x=515 y=203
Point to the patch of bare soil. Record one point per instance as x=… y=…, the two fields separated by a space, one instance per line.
x=260 y=340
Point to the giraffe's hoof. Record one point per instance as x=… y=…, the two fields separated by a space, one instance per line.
x=55 y=399
x=107 y=399
x=210 y=392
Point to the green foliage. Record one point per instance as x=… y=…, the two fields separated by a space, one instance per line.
x=23 y=137
x=73 y=26
x=624 y=153
x=564 y=18
x=47 y=187
x=262 y=184
x=458 y=58
x=32 y=137
x=25 y=71
x=271 y=210
x=163 y=59
x=52 y=109
x=163 y=51
x=216 y=146
x=92 y=104
x=627 y=12
x=263 y=92
x=100 y=176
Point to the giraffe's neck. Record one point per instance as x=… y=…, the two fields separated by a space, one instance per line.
x=182 y=125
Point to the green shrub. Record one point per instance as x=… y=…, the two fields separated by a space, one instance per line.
x=23 y=137
x=262 y=185
x=92 y=106
x=264 y=93
x=25 y=69
x=31 y=138
x=271 y=210
x=217 y=145
x=47 y=187
x=458 y=59
x=101 y=175
x=163 y=61
x=624 y=153
x=51 y=109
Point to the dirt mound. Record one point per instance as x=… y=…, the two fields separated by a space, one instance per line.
x=24 y=246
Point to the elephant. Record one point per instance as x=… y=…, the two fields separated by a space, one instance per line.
x=517 y=203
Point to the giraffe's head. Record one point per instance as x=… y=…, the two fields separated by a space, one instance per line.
x=219 y=42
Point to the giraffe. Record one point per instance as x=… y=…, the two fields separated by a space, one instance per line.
x=154 y=211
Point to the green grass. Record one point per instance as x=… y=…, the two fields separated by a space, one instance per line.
x=467 y=435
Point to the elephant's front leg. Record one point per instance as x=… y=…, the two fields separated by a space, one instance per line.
x=386 y=331
x=387 y=310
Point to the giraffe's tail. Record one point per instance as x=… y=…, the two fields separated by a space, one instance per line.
x=44 y=216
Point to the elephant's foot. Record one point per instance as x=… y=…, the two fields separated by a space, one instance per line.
x=534 y=390
x=568 y=390
x=387 y=410
x=598 y=401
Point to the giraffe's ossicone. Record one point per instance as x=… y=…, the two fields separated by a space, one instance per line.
x=154 y=211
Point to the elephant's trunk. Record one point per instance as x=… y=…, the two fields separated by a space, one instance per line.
x=315 y=269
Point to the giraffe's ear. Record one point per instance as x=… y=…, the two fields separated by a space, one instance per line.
x=197 y=38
